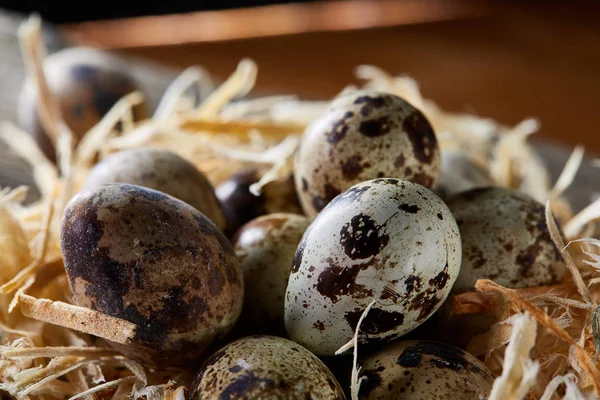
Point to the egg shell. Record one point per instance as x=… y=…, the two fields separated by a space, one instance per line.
x=240 y=205
x=265 y=367
x=384 y=239
x=361 y=136
x=151 y=259
x=504 y=238
x=424 y=370
x=86 y=83
x=266 y=247
x=161 y=170
x=459 y=173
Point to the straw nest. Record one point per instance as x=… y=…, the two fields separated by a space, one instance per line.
x=545 y=339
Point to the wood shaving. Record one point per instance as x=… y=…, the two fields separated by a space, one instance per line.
x=560 y=244
x=79 y=318
x=170 y=103
x=91 y=144
x=104 y=386
x=564 y=302
x=273 y=155
x=594 y=259
x=555 y=383
x=567 y=176
x=519 y=371
x=237 y=85
x=36 y=352
x=280 y=170
x=26 y=272
x=545 y=320
x=29 y=380
x=242 y=128
x=49 y=110
x=15 y=301
x=257 y=109
x=14 y=247
x=589 y=214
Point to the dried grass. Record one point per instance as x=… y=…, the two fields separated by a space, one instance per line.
x=544 y=337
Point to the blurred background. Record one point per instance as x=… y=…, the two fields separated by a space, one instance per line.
x=506 y=60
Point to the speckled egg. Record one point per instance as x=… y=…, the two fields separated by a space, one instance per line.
x=504 y=238
x=151 y=259
x=424 y=370
x=86 y=83
x=266 y=247
x=265 y=367
x=459 y=173
x=361 y=136
x=240 y=205
x=384 y=239
x=161 y=170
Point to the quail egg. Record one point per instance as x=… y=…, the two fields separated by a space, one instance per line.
x=361 y=136
x=161 y=170
x=266 y=247
x=86 y=84
x=146 y=257
x=504 y=238
x=265 y=367
x=459 y=173
x=240 y=205
x=385 y=239
x=423 y=370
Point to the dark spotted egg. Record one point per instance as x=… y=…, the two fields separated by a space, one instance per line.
x=504 y=238
x=151 y=259
x=265 y=367
x=240 y=205
x=459 y=173
x=364 y=135
x=424 y=370
x=86 y=83
x=266 y=247
x=161 y=170
x=384 y=239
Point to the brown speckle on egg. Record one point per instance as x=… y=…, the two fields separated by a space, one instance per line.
x=363 y=136
x=265 y=367
x=122 y=258
x=505 y=239
x=362 y=238
x=437 y=371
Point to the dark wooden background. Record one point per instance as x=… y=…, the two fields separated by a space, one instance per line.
x=505 y=60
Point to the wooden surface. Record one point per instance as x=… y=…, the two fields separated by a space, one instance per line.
x=273 y=20
x=515 y=61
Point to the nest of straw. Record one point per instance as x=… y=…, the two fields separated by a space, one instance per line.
x=544 y=342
